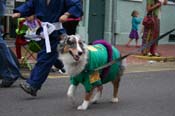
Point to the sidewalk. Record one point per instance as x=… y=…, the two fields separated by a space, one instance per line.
x=167 y=52
x=140 y=63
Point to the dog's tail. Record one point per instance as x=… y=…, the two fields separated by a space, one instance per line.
x=122 y=67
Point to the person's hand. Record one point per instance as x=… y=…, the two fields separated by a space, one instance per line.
x=16 y=15
x=158 y=4
x=163 y=2
x=64 y=17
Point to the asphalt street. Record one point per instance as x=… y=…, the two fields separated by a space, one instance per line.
x=141 y=94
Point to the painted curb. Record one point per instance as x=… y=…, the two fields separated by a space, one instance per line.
x=168 y=58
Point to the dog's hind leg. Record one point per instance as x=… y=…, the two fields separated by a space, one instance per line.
x=115 y=89
x=97 y=95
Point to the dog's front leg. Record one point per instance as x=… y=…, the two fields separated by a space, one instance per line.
x=86 y=101
x=71 y=91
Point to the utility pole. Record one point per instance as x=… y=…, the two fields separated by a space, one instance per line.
x=10 y=5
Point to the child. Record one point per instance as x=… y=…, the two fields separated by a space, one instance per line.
x=33 y=25
x=134 y=31
x=26 y=29
x=31 y=33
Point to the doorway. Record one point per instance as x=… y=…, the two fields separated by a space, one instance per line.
x=96 y=20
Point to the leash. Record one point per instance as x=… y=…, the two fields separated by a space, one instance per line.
x=135 y=51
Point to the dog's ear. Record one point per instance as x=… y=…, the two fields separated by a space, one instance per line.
x=78 y=36
x=61 y=45
x=63 y=42
x=68 y=40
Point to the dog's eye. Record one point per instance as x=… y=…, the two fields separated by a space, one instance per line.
x=80 y=43
x=71 y=44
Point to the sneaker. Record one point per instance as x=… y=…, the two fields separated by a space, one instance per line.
x=157 y=54
x=29 y=89
x=63 y=70
x=7 y=83
x=149 y=54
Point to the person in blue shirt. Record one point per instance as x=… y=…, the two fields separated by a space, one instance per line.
x=9 y=71
x=51 y=11
x=134 y=31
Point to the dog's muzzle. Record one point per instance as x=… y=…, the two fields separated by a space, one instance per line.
x=77 y=56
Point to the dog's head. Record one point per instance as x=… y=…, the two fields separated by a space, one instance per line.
x=72 y=45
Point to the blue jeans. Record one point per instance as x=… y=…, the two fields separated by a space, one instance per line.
x=8 y=68
x=44 y=63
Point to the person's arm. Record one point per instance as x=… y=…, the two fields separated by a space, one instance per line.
x=150 y=7
x=138 y=20
x=24 y=10
x=165 y=2
x=142 y=30
x=74 y=9
x=64 y=17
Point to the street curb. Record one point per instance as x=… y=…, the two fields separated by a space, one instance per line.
x=168 y=58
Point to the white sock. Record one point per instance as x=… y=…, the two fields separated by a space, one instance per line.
x=115 y=100
x=96 y=97
x=71 y=90
x=84 y=105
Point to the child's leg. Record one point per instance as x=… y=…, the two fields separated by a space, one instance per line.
x=128 y=43
x=136 y=38
x=136 y=42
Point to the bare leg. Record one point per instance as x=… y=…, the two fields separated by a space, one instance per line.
x=137 y=43
x=128 y=44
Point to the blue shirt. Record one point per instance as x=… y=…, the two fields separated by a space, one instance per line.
x=52 y=12
x=135 y=23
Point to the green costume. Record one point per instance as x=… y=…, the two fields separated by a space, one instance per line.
x=98 y=56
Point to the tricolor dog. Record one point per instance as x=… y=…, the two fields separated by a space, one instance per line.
x=80 y=60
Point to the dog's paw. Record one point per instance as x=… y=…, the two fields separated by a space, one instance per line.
x=115 y=100
x=83 y=106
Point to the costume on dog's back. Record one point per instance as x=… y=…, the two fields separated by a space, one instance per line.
x=97 y=57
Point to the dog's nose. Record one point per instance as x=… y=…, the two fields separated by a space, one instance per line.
x=80 y=53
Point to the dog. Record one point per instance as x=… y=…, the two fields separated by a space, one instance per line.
x=81 y=59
